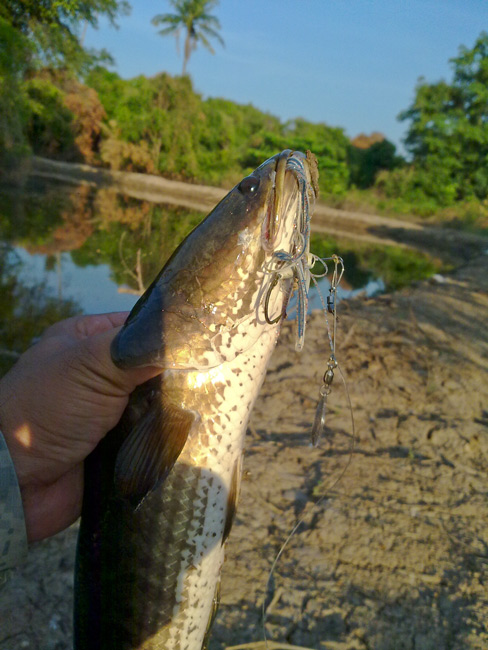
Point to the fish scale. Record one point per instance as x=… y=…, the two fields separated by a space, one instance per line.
x=161 y=488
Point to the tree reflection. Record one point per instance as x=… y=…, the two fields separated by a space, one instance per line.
x=396 y=266
x=135 y=238
x=25 y=311
x=98 y=226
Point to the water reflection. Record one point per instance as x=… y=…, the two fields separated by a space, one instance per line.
x=91 y=287
x=94 y=241
x=372 y=269
x=66 y=250
x=26 y=310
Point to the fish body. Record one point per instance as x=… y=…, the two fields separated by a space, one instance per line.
x=161 y=488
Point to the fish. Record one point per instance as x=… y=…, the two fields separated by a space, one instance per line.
x=161 y=488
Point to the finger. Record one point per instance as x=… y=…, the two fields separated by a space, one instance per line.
x=88 y=326
x=95 y=358
x=80 y=327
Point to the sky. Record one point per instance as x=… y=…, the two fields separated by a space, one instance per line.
x=349 y=63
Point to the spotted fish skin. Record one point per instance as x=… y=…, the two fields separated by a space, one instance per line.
x=161 y=488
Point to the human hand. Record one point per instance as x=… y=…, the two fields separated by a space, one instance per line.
x=57 y=402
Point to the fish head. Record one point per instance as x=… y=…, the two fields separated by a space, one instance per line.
x=217 y=282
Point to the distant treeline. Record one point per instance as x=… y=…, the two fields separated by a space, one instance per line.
x=162 y=126
x=58 y=100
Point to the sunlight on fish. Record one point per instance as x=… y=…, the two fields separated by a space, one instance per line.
x=198 y=380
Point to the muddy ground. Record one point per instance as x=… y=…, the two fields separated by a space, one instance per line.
x=392 y=553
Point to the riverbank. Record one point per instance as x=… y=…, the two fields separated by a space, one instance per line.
x=396 y=554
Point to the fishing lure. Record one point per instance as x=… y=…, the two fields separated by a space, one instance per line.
x=299 y=265
x=284 y=265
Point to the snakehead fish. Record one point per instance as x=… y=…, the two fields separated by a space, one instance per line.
x=161 y=488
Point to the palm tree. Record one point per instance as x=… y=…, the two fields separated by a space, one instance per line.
x=193 y=16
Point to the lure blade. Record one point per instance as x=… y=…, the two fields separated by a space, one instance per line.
x=318 y=427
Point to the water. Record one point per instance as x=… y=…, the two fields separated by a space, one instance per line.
x=93 y=248
x=91 y=287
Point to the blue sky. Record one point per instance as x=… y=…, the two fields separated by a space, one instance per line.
x=348 y=63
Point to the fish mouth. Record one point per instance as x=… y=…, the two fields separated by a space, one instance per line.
x=289 y=167
x=285 y=231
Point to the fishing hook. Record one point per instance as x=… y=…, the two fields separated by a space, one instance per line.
x=272 y=285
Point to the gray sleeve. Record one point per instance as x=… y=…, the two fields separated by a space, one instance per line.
x=13 y=536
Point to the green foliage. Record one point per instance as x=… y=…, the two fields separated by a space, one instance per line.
x=327 y=143
x=467 y=215
x=49 y=128
x=364 y=164
x=14 y=51
x=194 y=18
x=448 y=133
x=63 y=13
x=53 y=28
x=162 y=112
x=211 y=141
x=409 y=191
x=228 y=135
x=33 y=35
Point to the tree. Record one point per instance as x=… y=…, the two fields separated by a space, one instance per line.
x=367 y=160
x=14 y=50
x=34 y=36
x=194 y=18
x=52 y=28
x=448 y=133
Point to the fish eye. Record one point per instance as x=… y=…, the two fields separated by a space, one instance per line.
x=249 y=185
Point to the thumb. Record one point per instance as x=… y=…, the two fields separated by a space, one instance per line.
x=94 y=360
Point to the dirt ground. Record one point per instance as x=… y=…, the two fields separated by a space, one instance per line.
x=392 y=553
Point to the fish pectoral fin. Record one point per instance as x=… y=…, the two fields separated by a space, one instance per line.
x=150 y=450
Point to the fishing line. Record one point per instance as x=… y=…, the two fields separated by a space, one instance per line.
x=298 y=265
x=314 y=508
x=319 y=422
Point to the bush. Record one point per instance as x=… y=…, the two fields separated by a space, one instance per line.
x=50 y=124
